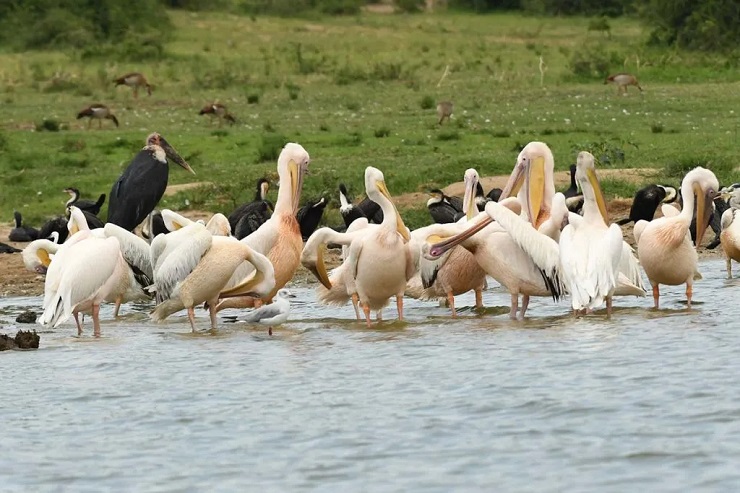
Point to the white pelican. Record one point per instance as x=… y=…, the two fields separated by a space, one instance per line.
x=456 y=272
x=664 y=245
x=38 y=254
x=198 y=267
x=380 y=262
x=495 y=250
x=89 y=274
x=275 y=313
x=730 y=236
x=279 y=238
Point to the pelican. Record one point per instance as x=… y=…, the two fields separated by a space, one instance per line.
x=137 y=191
x=731 y=228
x=279 y=238
x=380 y=261
x=197 y=269
x=38 y=254
x=495 y=250
x=457 y=271
x=664 y=245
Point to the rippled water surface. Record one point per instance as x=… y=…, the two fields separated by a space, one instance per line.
x=646 y=401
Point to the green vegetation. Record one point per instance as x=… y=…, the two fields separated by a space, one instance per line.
x=356 y=91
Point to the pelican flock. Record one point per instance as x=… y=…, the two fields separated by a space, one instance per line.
x=529 y=240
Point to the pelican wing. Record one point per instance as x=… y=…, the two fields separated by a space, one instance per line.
x=629 y=266
x=590 y=265
x=135 y=250
x=181 y=261
x=542 y=250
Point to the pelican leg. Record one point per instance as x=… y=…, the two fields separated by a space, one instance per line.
x=96 y=319
x=399 y=306
x=729 y=268
x=479 y=299
x=79 y=325
x=451 y=303
x=117 y=307
x=379 y=316
x=689 y=292
x=355 y=304
x=525 y=304
x=191 y=316
x=212 y=312
x=514 y=305
x=656 y=295
x=366 y=310
x=608 y=307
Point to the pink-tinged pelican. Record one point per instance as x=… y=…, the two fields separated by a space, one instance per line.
x=217 y=225
x=664 y=245
x=380 y=260
x=88 y=274
x=279 y=238
x=730 y=236
x=456 y=272
x=495 y=250
x=198 y=266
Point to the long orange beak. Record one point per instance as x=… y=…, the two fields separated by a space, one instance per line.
x=438 y=249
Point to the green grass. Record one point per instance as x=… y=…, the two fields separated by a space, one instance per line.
x=356 y=91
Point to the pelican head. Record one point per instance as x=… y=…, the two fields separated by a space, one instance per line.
x=533 y=176
x=155 y=140
x=77 y=221
x=378 y=192
x=218 y=225
x=704 y=185
x=293 y=161
x=472 y=182
x=587 y=179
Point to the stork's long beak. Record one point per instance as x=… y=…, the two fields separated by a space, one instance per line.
x=400 y=226
x=703 y=211
x=438 y=249
x=535 y=180
x=173 y=154
x=598 y=194
x=297 y=172
x=469 y=207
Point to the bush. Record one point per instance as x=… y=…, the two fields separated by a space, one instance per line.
x=695 y=24
x=253 y=98
x=593 y=61
x=270 y=146
x=48 y=124
x=382 y=132
x=427 y=102
x=34 y=24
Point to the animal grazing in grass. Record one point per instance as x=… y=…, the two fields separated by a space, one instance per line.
x=218 y=110
x=99 y=112
x=622 y=81
x=444 y=110
x=134 y=80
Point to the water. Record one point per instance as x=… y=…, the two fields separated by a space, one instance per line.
x=647 y=401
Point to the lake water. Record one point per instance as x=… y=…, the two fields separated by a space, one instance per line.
x=646 y=401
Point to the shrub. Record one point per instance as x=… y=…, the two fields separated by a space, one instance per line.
x=270 y=146
x=427 y=102
x=49 y=125
x=657 y=128
x=253 y=98
x=448 y=135
x=382 y=132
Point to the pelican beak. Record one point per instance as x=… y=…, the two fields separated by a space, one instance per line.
x=246 y=287
x=438 y=249
x=171 y=153
x=598 y=194
x=45 y=260
x=297 y=172
x=703 y=211
x=535 y=179
x=317 y=267
x=516 y=179
x=73 y=228
x=469 y=207
x=400 y=226
x=264 y=188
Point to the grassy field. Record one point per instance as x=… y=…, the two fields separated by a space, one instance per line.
x=361 y=91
